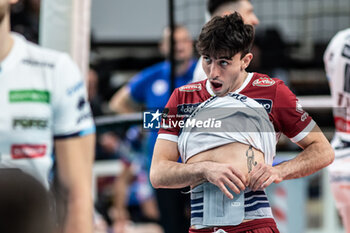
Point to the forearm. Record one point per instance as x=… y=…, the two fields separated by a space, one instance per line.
x=121 y=102
x=121 y=187
x=313 y=158
x=80 y=213
x=170 y=174
x=75 y=159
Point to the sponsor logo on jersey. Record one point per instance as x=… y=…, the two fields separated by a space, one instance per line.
x=304 y=116
x=346 y=51
x=83 y=117
x=27 y=151
x=263 y=82
x=299 y=108
x=186 y=109
x=75 y=88
x=266 y=103
x=37 y=63
x=239 y=97
x=191 y=87
x=81 y=103
x=29 y=123
x=40 y=96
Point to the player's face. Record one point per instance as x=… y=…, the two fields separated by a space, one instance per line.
x=247 y=12
x=226 y=74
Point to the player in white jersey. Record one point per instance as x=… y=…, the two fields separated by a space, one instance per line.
x=225 y=7
x=44 y=105
x=337 y=65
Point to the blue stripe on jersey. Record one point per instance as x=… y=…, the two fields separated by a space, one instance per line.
x=251 y=193
x=197 y=201
x=82 y=133
x=200 y=207
x=87 y=131
x=256 y=206
x=197 y=215
x=254 y=199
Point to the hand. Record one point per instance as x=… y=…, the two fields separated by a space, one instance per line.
x=120 y=220
x=225 y=175
x=262 y=176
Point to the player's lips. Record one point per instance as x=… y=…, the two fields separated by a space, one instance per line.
x=216 y=86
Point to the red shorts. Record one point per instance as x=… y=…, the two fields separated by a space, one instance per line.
x=264 y=225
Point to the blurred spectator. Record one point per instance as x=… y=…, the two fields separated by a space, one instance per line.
x=93 y=95
x=129 y=198
x=133 y=196
x=151 y=87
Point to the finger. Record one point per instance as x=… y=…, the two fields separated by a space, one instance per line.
x=260 y=181
x=269 y=181
x=233 y=186
x=256 y=169
x=236 y=182
x=255 y=176
x=237 y=173
x=223 y=188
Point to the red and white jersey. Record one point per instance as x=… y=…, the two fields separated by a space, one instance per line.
x=337 y=65
x=282 y=106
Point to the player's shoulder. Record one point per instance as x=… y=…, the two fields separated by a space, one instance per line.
x=265 y=81
x=36 y=55
x=155 y=69
x=342 y=35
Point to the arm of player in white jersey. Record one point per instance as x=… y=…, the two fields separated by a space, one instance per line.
x=75 y=157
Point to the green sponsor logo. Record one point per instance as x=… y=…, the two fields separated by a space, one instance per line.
x=29 y=96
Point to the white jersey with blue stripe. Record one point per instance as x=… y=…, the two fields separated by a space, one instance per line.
x=43 y=96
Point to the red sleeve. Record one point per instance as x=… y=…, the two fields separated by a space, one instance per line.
x=289 y=118
x=170 y=119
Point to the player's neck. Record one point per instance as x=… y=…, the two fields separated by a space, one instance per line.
x=6 y=41
x=243 y=77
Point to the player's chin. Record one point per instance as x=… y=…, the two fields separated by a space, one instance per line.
x=220 y=93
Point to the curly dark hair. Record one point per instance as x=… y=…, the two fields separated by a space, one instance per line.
x=225 y=36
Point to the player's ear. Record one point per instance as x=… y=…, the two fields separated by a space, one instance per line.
x=245 y=61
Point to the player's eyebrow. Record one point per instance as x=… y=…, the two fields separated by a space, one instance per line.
x=226 y=58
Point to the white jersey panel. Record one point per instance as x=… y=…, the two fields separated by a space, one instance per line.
x=337 y=65
x=232 y=118
x=42 y=96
